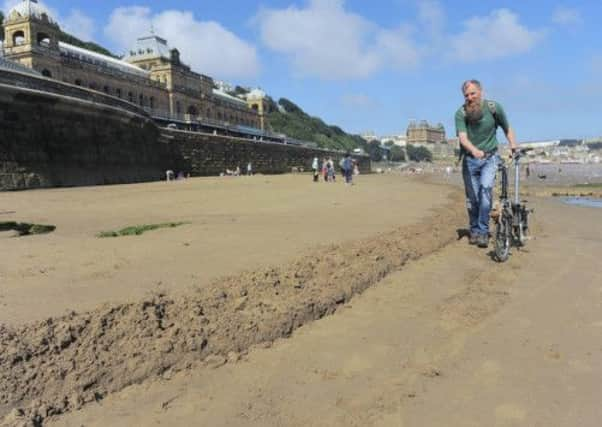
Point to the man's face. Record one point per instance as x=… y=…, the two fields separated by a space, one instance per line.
x=472 y=95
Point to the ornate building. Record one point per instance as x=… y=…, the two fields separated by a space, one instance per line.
x=429 y=136
x=150 y=75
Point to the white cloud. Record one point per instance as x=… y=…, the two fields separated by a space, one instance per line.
x=76 y=23
x=358 y=101
x=79 y=25
x=432 y=17
x=567 y=17
x=9 y=4
x=495 y=36
x=325 y=40
x=206 y=46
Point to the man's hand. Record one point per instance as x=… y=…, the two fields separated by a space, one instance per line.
x=478 y=154
x=513 y=150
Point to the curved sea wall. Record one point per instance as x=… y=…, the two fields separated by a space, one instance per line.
x=54 y=134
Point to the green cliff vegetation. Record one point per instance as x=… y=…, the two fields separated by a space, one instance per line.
x=286 y=117
x=68 y=38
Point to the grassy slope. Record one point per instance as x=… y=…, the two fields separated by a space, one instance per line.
x=298 y=124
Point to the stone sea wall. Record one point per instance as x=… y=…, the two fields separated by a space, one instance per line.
x=54 y=134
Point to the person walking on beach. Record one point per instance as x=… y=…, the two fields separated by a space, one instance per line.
x=476 y=125
x=348 y=169
x=315 y=168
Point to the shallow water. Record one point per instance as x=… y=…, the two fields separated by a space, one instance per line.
x=583 y=201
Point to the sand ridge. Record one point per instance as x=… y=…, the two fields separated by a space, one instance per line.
x=59 y=364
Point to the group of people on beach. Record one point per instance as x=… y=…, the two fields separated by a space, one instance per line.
x=237 y=171
x=347 y=166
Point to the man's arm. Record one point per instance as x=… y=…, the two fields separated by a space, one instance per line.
x=511 y=137
x=468 y=146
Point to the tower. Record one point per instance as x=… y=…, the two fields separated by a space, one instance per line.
x=256 y=100
x=31 y=37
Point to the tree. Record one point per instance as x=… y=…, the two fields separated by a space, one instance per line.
x=397 y=154
x=374 y=151
x=419 y=154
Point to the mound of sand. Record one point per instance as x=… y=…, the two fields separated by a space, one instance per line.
x=54 y=366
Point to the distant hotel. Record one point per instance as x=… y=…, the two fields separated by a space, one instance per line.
x=151 y=75
x=430 y=136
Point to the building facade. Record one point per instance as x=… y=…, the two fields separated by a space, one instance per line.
x=430 y=136
x=151 y=75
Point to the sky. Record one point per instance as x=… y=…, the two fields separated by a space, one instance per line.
x=375 y=65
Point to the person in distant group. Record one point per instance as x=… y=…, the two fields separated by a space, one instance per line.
x=237 y=171
x=348 y=169
x=169 y=175
x=315 y=167
x=331 y=175
x=249 y=169
x=325 y=169
x=356 y=168
x=476 y=123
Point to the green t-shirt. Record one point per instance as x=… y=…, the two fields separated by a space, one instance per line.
x=482 y=134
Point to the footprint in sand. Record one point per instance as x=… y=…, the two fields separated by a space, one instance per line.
x=510 y=414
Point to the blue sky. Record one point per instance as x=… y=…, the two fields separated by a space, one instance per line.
x=374 y=65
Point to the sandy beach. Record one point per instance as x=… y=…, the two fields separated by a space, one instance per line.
x=282 y=302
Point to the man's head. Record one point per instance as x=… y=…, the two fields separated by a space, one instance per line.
x=472 y=91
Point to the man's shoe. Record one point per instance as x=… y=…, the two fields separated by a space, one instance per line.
x=473 y=239
x=483 y=241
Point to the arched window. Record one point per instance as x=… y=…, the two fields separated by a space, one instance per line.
x=130 y=97
x=106 y=89
x=141 y=100
x=46 y=73
x=43 y=39
x=118 y=92
x=18 y=38
x=78 y=82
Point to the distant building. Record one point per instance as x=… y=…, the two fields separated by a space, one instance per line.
x=151 y=74
x=369 y=136
x=430 y=136
x=399 y=140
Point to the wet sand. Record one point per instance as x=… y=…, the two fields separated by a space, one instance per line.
x=445 y=338
x=235 y=224
x=453 y=339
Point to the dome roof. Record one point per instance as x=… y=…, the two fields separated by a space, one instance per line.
x=30 y=9
x=256 y=94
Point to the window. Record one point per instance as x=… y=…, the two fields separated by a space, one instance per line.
x=78 y=82
x=43 y=39
x=46 y=73
x=118 y=92
x=18 y=38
